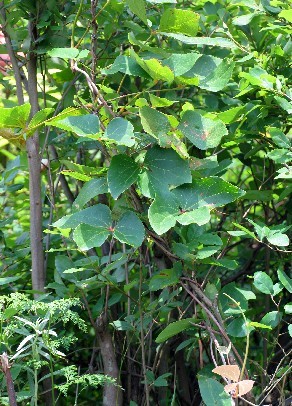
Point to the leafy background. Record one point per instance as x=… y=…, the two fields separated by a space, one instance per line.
x=166 y=142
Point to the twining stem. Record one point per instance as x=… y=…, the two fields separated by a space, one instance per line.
x=247 y=336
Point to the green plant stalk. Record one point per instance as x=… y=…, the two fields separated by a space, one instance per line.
x=52 y=370
x=75 y=23
x=247 y=336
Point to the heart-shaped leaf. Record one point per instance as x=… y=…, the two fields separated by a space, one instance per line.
x=122 y=173
x=203 y=132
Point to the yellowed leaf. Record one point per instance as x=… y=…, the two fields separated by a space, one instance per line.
x=239 y=388
x=228 y=371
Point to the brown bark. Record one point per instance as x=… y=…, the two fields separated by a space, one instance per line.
x=9 y=382
x=34 y=162
x=112 y=394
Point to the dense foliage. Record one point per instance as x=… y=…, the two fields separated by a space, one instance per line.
x=145 y=166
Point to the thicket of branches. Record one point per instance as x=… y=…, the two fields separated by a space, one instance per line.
x=145 y=193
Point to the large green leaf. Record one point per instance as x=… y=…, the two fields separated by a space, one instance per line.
x=155 y=68
x=228 y=306
x=121 y=131
x=238 y=327
x=198 y=216
x=90 y=190
x=180 y=21
x=98 y=215
x=39 y=119
x=285 y=280
x=122 y=173
x=213 y=393
x=166 y=277
x=210 y=192
x=188 y=203
x=181 y=63
x=272 y=319
x=154 y=122
x=15 y=117
x=130 y=230
x=138 y=7
x=162 y=213
x=87 y=236
x=203 y=132
x=65 y=53
x=81 y=125
x=164 y=167
x=173 y=329
x=263 y=283
x=219 y=78
x=205 y=41
x=125 y=64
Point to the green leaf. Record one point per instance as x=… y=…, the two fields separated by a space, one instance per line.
x=219 y=78
x=206 y=192
x=15 y=117
x=122 y=173
x=155 y=69
x=245 y=19
x=284 y=104
x=287 y=14
x=76 y=175
x=180 y=21
x=213 y=393
x=154 y=122
x=8 y=279
x=260 y=195
x=181 y=203
x=121 y=131
x=245 y=230
x=87 y=237
x=91 y=189
x=259 y=325
x=288 y=308
x=259 y=77
x=138 y=7
x=279 y=239
x=81 y=125
x=238 y=327
x=203 y=41
x=285 y=280
x=127 y=65
x=272 y=319
x=290 y=330
x=130 y=230
x=203 y=132
x=263 y=283
x=160 y=101
x=98 y=215
x=173 y=329
x=228 y=306
x=166 y=277
x=65 y=53
x=199 y=216
x=279 y=138
x=231 y=115
x=39 y=119
x=161 y=381
x=181 y=63
x=164 y=167
x=162 y=213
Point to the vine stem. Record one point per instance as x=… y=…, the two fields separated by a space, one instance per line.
x=142 y=337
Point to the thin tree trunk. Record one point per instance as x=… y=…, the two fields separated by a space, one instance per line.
x=112 y=394
x=34 y=162
x=9 y=382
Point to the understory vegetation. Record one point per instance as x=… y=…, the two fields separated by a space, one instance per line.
x=145 y=200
